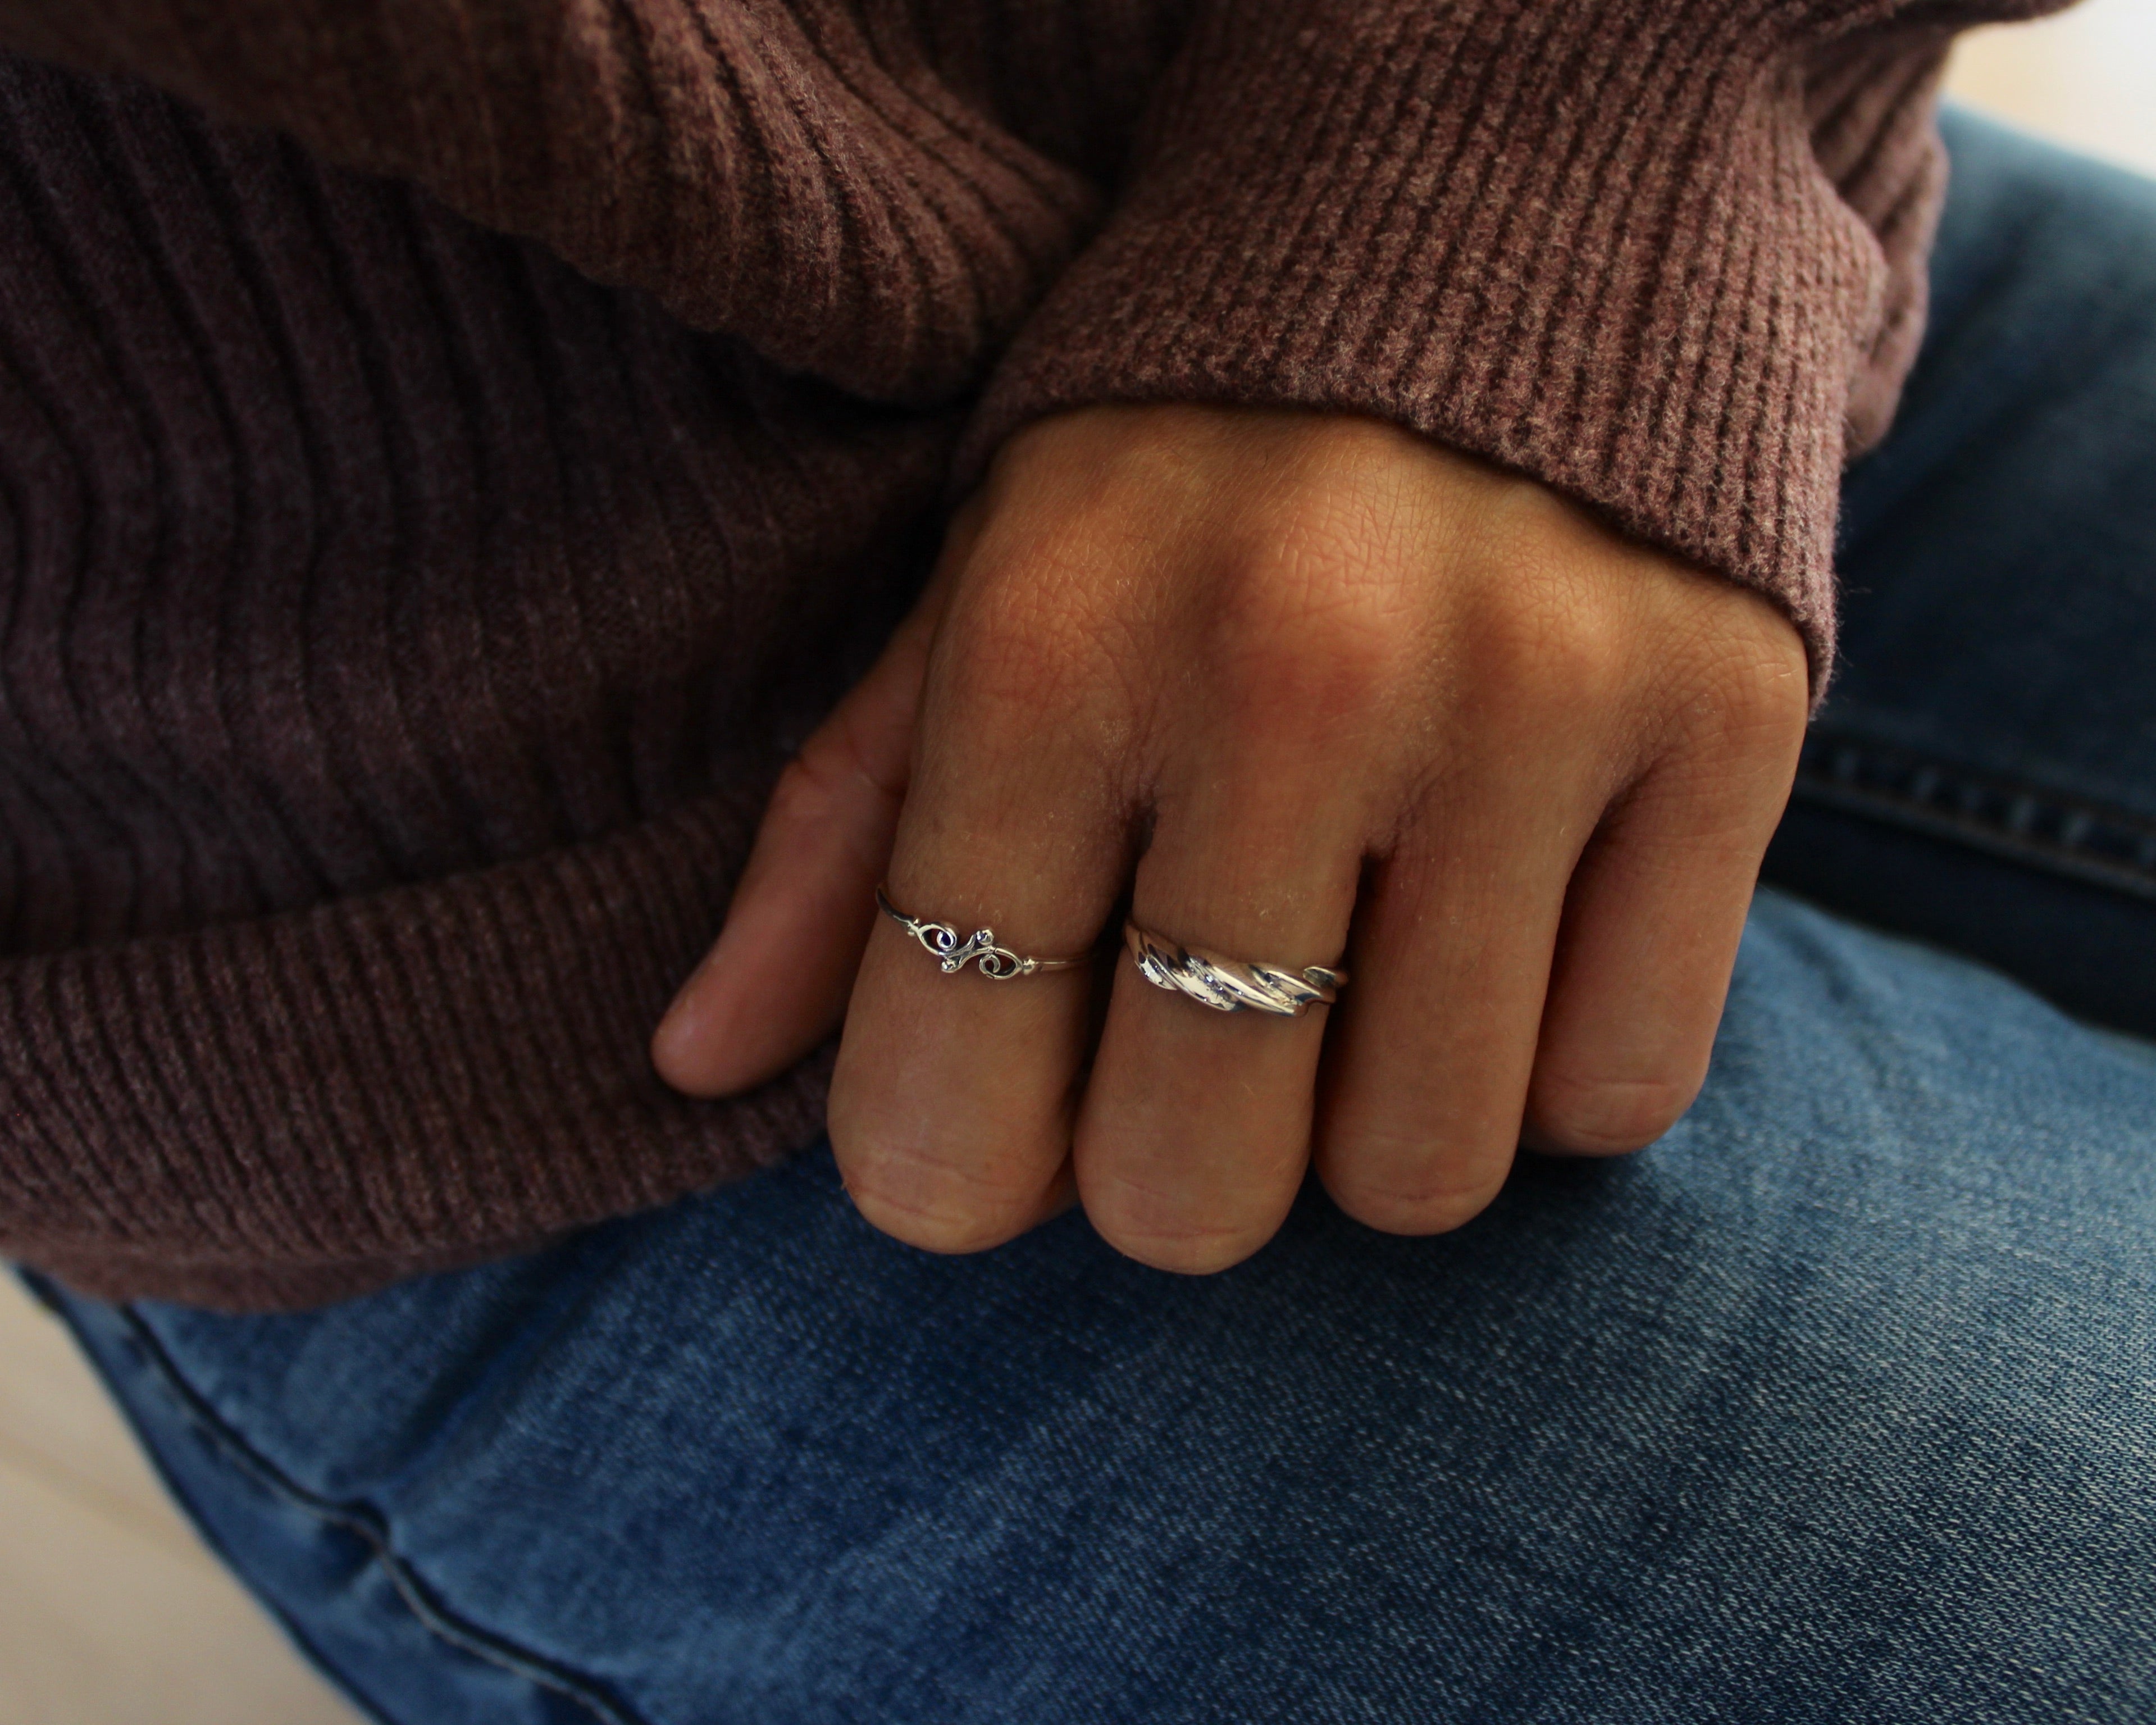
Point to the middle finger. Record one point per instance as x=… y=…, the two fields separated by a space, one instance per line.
x=1194 y=1130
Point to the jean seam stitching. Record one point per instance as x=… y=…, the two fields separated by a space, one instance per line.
x=366 y=1524
x=2037 y=826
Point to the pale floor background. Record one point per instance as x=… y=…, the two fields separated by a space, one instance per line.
x=110 y=1611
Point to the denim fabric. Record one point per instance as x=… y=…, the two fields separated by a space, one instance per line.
x=1984 y=773
x=1840 y=1404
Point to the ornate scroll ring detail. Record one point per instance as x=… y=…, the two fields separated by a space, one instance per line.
x=978 y=948
x=1229 y=985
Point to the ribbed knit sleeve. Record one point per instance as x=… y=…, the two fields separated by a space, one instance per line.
x=1665 y=255
x=795 y=172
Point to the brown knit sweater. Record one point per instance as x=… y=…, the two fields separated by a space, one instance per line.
x=451 y=448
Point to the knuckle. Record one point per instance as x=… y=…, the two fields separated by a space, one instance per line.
x=1156 y=1231
x=1183 y=1250
x=1313 y=632
x=1545 y=647
x=1601 y=1115
x=926 y=1197
x=1762 y=689
x=949 y=1224
x=1431 y=1198
x=952 y=1234
x=1748 y=675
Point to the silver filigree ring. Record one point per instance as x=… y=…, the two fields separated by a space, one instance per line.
x=1229 y=984
x=978 y=948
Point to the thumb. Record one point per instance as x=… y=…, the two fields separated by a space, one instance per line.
x=777 y=981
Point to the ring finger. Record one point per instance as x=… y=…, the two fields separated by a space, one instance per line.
x=1429 y=1077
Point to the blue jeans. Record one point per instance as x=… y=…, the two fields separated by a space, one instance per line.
x=1839 y=1404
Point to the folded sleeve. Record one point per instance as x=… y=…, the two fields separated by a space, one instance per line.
x=795 y=172
x=1664 y=255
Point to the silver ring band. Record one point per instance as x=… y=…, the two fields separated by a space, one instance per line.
x=1229 y=985
x=978 y=948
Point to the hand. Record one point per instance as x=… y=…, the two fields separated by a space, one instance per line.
x=1305 y=685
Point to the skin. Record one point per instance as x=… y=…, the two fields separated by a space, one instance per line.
x=1301 y=687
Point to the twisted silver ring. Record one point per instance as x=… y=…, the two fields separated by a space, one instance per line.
x=1229 y=985
x=978 y=948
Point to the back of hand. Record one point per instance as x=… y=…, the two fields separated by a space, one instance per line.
x=1298 y=695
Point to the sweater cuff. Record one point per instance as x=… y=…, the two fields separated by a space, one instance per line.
x=1591 y=242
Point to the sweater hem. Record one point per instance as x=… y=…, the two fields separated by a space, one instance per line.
x=299 y=1108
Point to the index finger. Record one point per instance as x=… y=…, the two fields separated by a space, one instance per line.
x=952 y=1105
